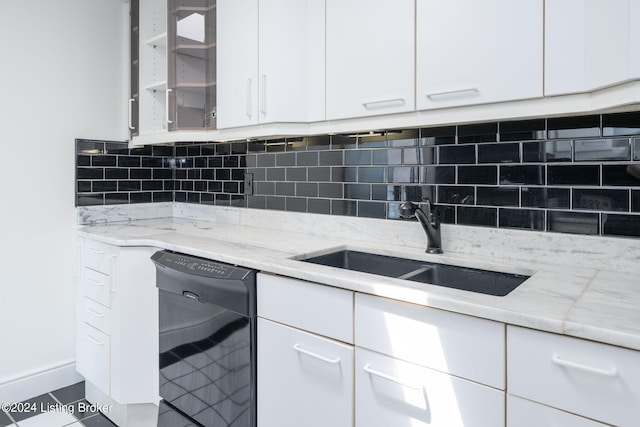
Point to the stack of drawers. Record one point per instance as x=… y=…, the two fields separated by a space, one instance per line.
x=97 y=268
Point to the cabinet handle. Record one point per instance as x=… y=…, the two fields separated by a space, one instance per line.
x=299 y=349
x=168 y=91
x=249 y=84
x=95 y=282
x=387 y=103
x=367 y=368
x=131 y=101
x=263 y=101
x=95 y=341
x=113 y=272
x=460 y=92
x=97 y=251
x=612 y=372
x=94 y=313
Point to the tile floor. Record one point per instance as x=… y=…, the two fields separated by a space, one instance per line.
x=60 y=408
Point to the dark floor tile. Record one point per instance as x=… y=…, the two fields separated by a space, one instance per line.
x=34 y=406
x=4 y=419
x=98 y=421
x=70 y=394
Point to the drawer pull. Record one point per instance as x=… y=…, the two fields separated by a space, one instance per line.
x=95 y=282
x=299 y=349
x=94 y=313
x=94 y=341
x=367 y=368
x=452 y=93
x=612 y=372
x=387 y=103
x=96 y=251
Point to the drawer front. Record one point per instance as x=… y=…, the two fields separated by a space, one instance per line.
x=303 y=379
x=96 y=315
x=595 y=380
x=464 y=346
x=97 y=256
x=96 y=286
x=316 y=308
x=525 y=413
x=93 y=356
x=390 y=392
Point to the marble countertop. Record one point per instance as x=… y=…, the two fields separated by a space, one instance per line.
x=581 y=301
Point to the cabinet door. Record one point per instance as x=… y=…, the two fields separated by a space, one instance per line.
x=153 y=93
x=237 y=62
x=598 y=381
x=191 y=39
x=93 y=356
x=134 y=63
x=303 y=379
x=370 y=57
x=291 y=82
x=390 y=392
x=524 y=413
x=590 y=44
x=471 y=52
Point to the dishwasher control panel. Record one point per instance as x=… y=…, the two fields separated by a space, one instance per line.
x=197 y=266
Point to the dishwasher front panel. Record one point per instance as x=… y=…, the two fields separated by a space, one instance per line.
x=205 y=361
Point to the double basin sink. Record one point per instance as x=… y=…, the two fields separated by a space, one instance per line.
x=451 y=276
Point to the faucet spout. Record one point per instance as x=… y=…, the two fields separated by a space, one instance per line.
x=429 y=221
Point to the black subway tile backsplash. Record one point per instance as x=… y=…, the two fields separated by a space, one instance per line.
x=573 y=127
x=603 y=200
x=621 y=124
x=499 y=153
x=455 y=155
x=498 y=196
x=554 y=198
x=467 y=215
x=573 y=175
x=594 y=150
x=528 y=219
x=523 y=130
x=487 y=175
x=569 y=174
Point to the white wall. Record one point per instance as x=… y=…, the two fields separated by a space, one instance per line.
x=63 y=76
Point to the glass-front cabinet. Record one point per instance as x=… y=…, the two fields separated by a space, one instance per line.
x=134 y=63
x=176 y=66
x=192 y=64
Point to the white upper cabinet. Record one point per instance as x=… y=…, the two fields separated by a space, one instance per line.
x=237 y=65
x=270 y=61
x=370 y=57
x=470 y=52
x=590 y=44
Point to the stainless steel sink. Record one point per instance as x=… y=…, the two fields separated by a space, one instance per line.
x=451 y=276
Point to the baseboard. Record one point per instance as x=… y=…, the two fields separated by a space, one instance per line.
x=39 y=382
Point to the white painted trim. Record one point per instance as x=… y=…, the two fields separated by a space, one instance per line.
x=616 y=98
x=37 y=382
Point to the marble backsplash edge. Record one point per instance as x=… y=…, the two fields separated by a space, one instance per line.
x=599 y=252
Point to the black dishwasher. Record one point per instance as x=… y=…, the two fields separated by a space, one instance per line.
x=207 y=342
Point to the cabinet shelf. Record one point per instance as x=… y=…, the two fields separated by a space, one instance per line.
x=194 y=50
x=162 y=85
x=157 y=41
x=183 y=11
x=197 y=88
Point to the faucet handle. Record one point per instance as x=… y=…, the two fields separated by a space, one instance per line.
x=407 y=210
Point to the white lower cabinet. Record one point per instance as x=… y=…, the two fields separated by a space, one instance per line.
x=303 y=379
x=524 y=413
x=391 y=392
x=94 y=356
x=594 y=380
x=117 y=331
